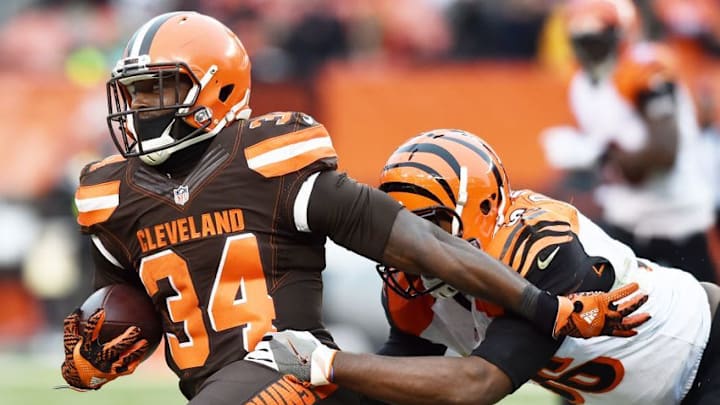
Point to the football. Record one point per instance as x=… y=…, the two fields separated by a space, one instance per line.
x=124 y=306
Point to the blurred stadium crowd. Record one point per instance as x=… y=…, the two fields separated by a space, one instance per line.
x=55 y=56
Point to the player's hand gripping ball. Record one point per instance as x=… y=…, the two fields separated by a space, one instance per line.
x=114 y=330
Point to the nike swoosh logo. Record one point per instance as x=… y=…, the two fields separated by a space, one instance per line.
x=542 y=264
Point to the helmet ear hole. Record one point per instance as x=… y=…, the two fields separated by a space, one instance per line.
x=225 y=92
x=485 y=206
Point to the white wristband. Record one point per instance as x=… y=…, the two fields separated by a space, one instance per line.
x=321 y=365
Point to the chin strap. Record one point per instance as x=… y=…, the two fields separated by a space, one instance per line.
x=239 y=111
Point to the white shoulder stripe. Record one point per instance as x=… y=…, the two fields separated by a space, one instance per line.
x=97 y=203
x=302 y=202
x=288 y=152
x=106 y=254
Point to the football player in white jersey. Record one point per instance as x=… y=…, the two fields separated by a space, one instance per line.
x=456 y=180
x=637 y=122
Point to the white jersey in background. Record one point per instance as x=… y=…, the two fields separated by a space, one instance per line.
x=670 y=205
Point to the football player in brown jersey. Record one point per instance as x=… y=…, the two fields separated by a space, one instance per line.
x=456 y=180
x=222 y=220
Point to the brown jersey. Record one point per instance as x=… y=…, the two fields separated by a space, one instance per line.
x=222 y=253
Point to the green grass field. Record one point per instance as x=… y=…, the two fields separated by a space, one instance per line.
x=29 y=380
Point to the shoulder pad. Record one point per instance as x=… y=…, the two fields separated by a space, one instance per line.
x=644 y=67
x=98 y=194
x=534 y=222
x=280 y=143
x=282 y=118
x=91 y=167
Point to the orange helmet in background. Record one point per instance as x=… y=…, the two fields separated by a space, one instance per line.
x=598 y=29
x=172 y=47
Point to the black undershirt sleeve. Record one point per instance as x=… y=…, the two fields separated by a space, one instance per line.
x=400 y=343
x=354 y=215
x=517 y=348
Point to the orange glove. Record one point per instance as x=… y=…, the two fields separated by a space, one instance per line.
x=589 y=314
x=89 y=364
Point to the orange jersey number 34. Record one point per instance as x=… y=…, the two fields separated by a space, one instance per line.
x=240 y=274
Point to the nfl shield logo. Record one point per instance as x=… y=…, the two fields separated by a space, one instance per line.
x=181 y=195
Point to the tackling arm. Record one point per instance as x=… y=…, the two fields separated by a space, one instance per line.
x=647 y=78
x=418 y=246
x=371 y=223
x=422 y=380
x=658 y=108
x=400 y=380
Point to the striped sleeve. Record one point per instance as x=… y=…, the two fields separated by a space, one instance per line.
x=96 y=203
x=534 y=239
x=283 y=154
x=544 y=236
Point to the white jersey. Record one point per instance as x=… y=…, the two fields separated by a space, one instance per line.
x=605 y=113
x=711 y=159
x=657 y=366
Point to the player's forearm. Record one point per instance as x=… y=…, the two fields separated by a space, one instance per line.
x=507 y=289
x=419 y=247
x=658 y=155
x=500 y=284
x=438 y=254
x=419 y=380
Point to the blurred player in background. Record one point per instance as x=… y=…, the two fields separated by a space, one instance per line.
x=454 y=179
x=222 y=220
x=637 y=123
x=710 y=129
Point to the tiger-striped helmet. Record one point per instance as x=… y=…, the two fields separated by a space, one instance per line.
x=448 y=176
x=451 y=171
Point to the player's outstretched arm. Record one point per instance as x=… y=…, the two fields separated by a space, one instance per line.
x=399 y=380
x=371 y=223
x=418 y=246
x=90 y=364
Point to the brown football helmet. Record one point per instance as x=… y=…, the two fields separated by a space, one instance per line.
x=170 y=48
